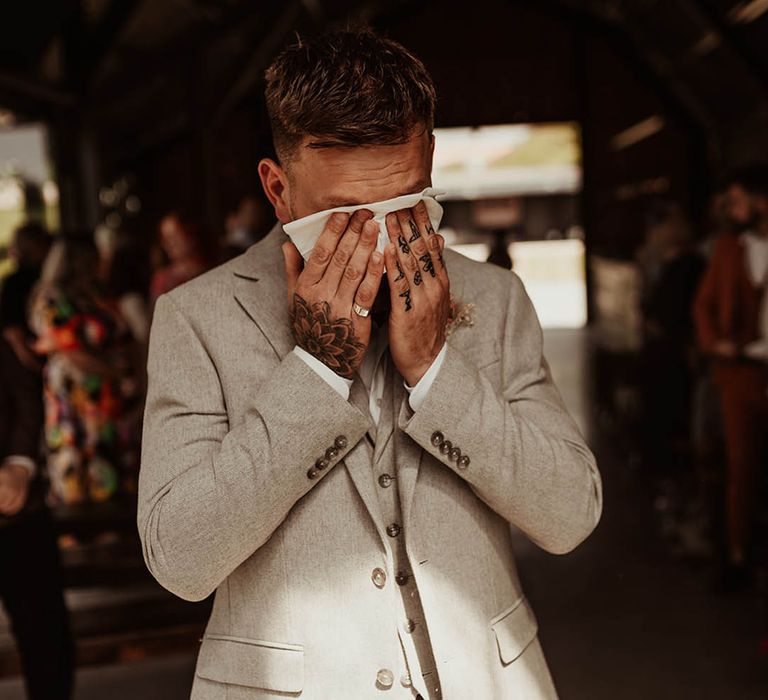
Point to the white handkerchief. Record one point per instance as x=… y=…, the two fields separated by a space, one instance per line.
x=304 y=232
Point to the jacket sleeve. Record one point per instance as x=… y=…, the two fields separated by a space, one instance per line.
x=210 y=493
x=527 y=458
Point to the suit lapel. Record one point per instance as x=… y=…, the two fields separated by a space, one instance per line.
x=359 y=463
x=260 y=290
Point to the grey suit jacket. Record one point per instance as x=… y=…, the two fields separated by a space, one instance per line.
x=234 y=423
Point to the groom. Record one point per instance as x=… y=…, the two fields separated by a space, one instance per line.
x=337 y=452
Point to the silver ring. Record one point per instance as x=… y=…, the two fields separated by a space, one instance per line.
x=359 y=310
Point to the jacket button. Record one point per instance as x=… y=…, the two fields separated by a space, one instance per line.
x=332 y=452
x=379 y=577
x=437 y=438
x=385 y=678
x=401 y=577
x=405 y=680
x=321 y=463
x=463 y=462
x=409 y=625
x=313 y=473
x=445 y=447
x=393 y=530
x=341 y=442
x=385 y=481
x=454 y=454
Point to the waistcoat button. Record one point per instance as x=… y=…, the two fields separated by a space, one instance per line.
x=385 y=678
x=379 y=577
x=393 y=530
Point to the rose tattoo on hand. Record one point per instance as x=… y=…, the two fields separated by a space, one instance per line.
x=330 y=340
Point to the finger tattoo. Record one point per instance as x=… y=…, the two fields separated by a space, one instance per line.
x=407 y=296
x=417 y=277
x=414 y=231
x=404 y=247
x=400 y=273
x=428 y=264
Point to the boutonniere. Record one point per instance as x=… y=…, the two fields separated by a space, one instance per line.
x=459 y=314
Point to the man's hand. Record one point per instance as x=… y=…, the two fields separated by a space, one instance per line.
x=14 y=488
x=342 y=269
x=420 y=292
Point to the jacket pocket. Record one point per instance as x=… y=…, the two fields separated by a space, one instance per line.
x=251 y=662
x=515 y=628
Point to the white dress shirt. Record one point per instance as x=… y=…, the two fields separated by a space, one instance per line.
x=756 y=254
x=372 y=373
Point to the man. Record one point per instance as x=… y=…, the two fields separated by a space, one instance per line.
x=30 y=580
x=318 y=454
x=731 y=314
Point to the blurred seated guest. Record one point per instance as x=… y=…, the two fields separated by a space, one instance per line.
x=248 y=224
x=30 y=577
x=184 y=248
x=29 y=247
x=82 y=335
x=728 y=322
x=669 y=335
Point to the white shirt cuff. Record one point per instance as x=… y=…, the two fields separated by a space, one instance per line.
x=419 y=392
x=341 y=384
x=21 y=461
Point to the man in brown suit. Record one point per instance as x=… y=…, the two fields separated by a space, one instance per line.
x=729 y=312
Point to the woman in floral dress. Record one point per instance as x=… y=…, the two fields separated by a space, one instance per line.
x=83 y=336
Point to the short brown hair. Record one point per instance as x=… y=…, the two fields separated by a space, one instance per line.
x=347 y=88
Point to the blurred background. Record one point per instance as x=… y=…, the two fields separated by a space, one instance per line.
x=600 y=148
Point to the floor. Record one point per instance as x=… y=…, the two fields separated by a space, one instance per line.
x=619 y=618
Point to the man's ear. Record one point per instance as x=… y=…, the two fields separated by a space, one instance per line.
x=275 y=183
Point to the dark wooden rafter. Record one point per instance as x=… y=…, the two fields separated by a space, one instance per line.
x=731 y=39
x=604 y=19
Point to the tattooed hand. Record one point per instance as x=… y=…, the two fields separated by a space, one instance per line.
x=419 y=289
x=342 y=269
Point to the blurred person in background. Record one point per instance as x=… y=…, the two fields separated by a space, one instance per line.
x=246 y=225
x=127 y=278
x=730 y=314
x=667 y=353
x=29 y=247
x=185 y=251
x=30 y=574
x=83 y=336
